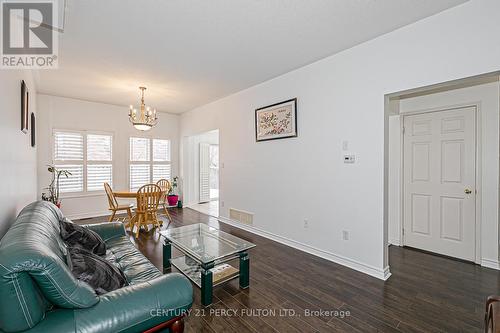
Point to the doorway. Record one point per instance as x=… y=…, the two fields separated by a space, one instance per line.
x=439 y=175
x=201 y=172
x=466 y=209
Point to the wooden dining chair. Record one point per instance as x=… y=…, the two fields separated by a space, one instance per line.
x=165 y=188
x=148 y=200
x=115 y=207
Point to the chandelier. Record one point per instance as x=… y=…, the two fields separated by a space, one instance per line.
x=146 y=118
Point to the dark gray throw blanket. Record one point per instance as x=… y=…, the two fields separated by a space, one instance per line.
x=80 y=237
x=100 y=274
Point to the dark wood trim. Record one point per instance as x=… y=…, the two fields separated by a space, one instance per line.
x=176 y=325
x=491 y=315
x=270 y=106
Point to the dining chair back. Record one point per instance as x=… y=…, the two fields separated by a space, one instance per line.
x=148 y=200
x=113 y=203
x=115 y=207
x=165 y=187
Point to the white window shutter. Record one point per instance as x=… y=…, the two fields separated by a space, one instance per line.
x=99 y=147
x=73 y=183
x=68 y=146
x=97 y=175
x=161 y=150
x=204 y=172
x=161 y=171
x=139 y=150
x=139 y=176
x=99 y=154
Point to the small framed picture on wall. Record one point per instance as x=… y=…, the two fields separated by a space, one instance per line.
x=24 y=107
x=33 y=130
x=276 y=121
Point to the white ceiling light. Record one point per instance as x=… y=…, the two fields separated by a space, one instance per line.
x=146 y=118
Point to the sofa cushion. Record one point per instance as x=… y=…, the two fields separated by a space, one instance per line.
x=137 y=307
x=96 y=271
x=136 y=267
x=33 y=273
x=77 y=236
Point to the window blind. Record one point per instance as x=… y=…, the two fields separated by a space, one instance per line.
x=149 y=161
x=99 y=154
x=68 y=146
x=97 y=175
x=139 y=176
x=161 y=150
x=73 y=183
x=139 y=150
x=87 y=156
x=99 y=147
x=161 y=171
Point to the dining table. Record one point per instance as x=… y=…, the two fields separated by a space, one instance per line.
x=125 y=194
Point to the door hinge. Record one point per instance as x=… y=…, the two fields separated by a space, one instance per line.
x=403 y=231
x=404 y=130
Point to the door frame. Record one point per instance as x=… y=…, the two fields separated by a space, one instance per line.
x=478 y=169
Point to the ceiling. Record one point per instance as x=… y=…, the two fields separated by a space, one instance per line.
x=191 y=52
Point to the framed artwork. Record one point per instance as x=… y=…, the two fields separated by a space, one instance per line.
x=24 y=107
x=33 y=127
x=277 y=121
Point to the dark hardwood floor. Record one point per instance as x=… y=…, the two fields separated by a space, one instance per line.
x=425 y=293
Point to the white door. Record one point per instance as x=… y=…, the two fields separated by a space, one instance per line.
x=439 y=182
x=204 y=172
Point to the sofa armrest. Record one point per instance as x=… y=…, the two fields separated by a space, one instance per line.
x=108 y=230
x=138 y=307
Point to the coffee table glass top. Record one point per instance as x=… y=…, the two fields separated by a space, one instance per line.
x=205 y=243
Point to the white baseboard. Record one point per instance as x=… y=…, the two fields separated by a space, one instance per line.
x=87 y=215
x=490 y=263
x=394 y=241
x=382 y=274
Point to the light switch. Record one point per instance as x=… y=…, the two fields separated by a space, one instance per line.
x=349 y=159
x=345 y=145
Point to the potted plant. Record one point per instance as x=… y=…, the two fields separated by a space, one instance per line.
x=53 y=188
x=172 y=198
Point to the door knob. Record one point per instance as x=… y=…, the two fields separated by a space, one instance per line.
x=467 y=191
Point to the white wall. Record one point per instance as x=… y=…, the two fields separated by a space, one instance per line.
x=191 y=164
x=340 y=98
x=17 y=157
x=73 y=114
x=487 y=96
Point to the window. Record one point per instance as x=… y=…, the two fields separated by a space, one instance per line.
x=99 y=158
x=87 y=156
x=149 y=161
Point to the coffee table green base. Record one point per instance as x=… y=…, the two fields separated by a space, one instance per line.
x=207 y=252
x=244 y=270
x=167 y=255
x=206 y=283
x=205 y=280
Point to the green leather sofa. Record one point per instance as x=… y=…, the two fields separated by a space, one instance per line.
x=38 y=293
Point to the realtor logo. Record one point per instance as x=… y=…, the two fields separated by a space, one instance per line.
x=29 y=37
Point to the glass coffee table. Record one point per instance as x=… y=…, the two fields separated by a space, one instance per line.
x=206 y=254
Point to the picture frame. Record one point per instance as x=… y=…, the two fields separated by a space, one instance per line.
x=276 y=121
x=24 y=107
x=33 y=130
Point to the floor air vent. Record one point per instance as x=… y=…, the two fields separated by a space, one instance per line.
x=241 y=216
